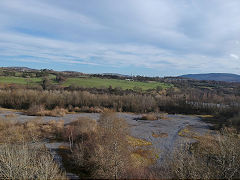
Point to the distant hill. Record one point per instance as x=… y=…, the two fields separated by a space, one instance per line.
x=115 y=74
x=214 y=76
x=19 y=69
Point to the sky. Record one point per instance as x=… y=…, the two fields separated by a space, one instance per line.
x=139 y=37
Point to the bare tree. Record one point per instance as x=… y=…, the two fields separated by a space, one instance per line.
x=27 y=161
x=113 y=154
x=213 y=157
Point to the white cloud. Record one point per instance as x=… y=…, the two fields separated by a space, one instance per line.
x=234 y=56
x=43 y=10
x=99 y=54
x=183 y=35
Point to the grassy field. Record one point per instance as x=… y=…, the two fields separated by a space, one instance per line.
x=88 y=82
x=19 y=80
x=105 y=83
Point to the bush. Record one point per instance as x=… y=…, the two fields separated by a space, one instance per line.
x=104 y=151
x=35 y=110
x=27 y=162
x=39 y=110
x=29 y=131
x=35 y=100
x=150 y=117
x=210 y=158
x=235 y=122
x=79 y=130
x=22 y=156
x=13 y=132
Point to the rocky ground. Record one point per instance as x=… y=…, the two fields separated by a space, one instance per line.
x=165 y=134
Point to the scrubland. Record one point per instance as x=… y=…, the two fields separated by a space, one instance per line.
x=105 y=149
x=225 y=112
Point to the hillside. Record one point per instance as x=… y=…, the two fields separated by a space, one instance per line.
x=214 y=76
x=71 y=79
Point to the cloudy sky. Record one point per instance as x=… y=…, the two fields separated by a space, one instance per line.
x=146 y=37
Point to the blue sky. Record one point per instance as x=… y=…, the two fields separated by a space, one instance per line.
x=145 y=37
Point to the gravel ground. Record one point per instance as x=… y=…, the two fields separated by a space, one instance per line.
x=144 y=129
x=139 y=128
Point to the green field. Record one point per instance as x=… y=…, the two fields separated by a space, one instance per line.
x=19 y=80
x=105 y=83
x=88 y=82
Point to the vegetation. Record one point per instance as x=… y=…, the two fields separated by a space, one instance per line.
x=114 y=83
x=105 y=148
x=210 y=158
x=97 y=150
x=53 y=102
x=150 y=116
x=105 y=151
x=19 y=80
x=55 y=80
x=39 y=110
x=25 y=99
x=23 y=155
x=27 y=161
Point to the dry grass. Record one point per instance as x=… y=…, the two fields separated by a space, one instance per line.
x=154 y=116
x=184 y=132
x=83 y=125
x=88 y=109
x=10 y=115
x=5 y=109
x=205 y=116
x=189 y=133
x=144 y=157
x=160 y=135
x=212 y=157
x=137 y=142
x=34 y=130
x=39 y=110
x=57 y=112
x=149 y=117
x=6 y=123
x=164 y=116
x=35 y=110
x=52 y=129
x=13 y=132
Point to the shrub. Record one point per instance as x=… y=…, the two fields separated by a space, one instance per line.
x=13 y=132
x=29 y=131
x=34 y=99
x=210 y=158
x=27 y=162
x=235 y=122
x=79 y=130
x=39 y=110
x=22 y=156
x=150 y=117
x=154 y=116
x=113 y=153
x=36 y=110
x=103 y=151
